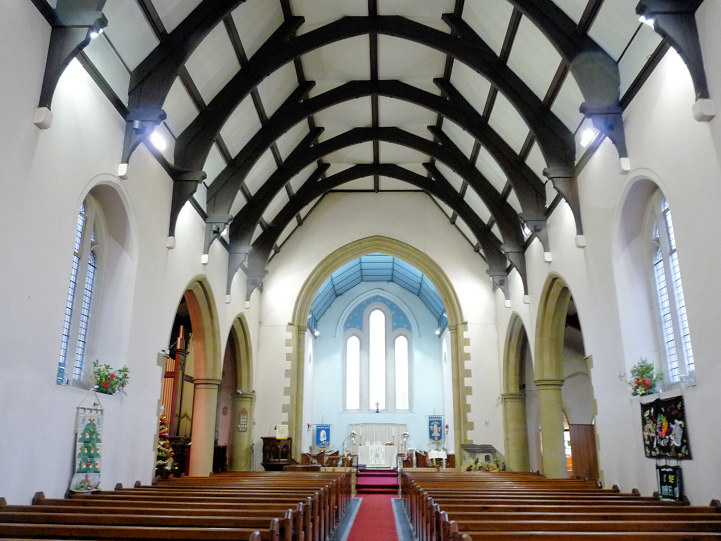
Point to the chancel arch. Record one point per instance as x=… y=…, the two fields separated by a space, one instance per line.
x=413 y=256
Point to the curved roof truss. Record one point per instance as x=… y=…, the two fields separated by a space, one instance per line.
x=473 y=162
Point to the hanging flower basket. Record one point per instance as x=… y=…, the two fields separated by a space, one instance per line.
x=109 y=381
x=644 y=379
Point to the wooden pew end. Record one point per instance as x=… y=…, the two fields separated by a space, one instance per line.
x=38 y=497
x=3 y=502
x=716 y=504
x=137 y=484
x=635 y=492
x=118 y=486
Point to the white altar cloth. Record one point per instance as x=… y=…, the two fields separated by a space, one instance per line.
x=377 y=456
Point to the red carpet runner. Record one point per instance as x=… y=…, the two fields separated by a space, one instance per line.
x=374 y=520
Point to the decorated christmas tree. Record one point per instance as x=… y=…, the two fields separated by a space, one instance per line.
x=89 y=453
x=164 y=460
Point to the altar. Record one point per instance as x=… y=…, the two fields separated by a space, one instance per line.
x=377 y=456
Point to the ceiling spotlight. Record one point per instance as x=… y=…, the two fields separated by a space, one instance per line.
x=158 y=141
x=95 y=32
x=646 y=20
x=587 y=137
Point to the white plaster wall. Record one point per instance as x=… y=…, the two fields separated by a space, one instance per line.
x=46 y=175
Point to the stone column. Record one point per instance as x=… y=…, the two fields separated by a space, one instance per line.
x=202 y=434
x=514 y=411
x=551 y=409
x=241 y=431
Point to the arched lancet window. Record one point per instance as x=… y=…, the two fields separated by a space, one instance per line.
x=378 y=364
x=670 y=302
x=352 y=376
x=81 y=290
x=377 y=359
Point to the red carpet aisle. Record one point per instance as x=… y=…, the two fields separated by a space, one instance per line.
x=375 y=520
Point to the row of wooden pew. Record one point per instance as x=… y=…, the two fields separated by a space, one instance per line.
x=460 y=506
x=272 y=506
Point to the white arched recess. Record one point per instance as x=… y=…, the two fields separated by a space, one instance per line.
x=427 y=266
x=207 y=376
x=633 y=259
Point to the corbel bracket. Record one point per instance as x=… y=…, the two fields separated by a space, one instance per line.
x=214 y=226
x=564 y=181
x=675 y=21
x=139 y=124
x=539 y=229
x=75 y=21
x=517 y=257
x=609 y=121
x=184 y=185
x=500 y=281
x=237 y=258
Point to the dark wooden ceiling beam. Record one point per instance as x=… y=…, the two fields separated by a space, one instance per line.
x=244 y=223
x=555 y=139
x=530 y=188
x=260 y=251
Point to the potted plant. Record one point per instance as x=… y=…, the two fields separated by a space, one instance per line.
x=107 y=380
x=644 y=379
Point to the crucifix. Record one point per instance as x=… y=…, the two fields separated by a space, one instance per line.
x=377 y=406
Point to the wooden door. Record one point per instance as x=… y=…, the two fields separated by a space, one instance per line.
x=583 y=448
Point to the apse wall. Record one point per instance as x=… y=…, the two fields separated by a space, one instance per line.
x=426 y=377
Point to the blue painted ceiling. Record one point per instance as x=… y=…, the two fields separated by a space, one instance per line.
x=377 y=268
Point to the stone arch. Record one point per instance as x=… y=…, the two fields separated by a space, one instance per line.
x=243 y=397
x=514 y=398
x=208 y=373
x=456 y=325
x=548 y=372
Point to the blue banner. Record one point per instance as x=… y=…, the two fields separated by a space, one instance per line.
x=435 y=428
x=322 y=436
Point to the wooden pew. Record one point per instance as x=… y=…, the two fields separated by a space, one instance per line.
x=104 y=531
x=443 y=507
x=224 y=507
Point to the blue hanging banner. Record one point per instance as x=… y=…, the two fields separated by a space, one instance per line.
x=322 y=436
x=435 y=428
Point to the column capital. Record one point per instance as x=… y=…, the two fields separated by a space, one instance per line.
x=207 y=382
x=549 y=383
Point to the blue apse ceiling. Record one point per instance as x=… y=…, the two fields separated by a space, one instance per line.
x=377 y=268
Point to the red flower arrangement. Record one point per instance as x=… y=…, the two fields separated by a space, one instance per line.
x=109 y=381
x=644 y=379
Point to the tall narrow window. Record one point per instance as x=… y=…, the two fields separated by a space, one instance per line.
x=669 y=293
x=352 y=376
x=377 y=359
x=78 y=304
x=402 y=375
